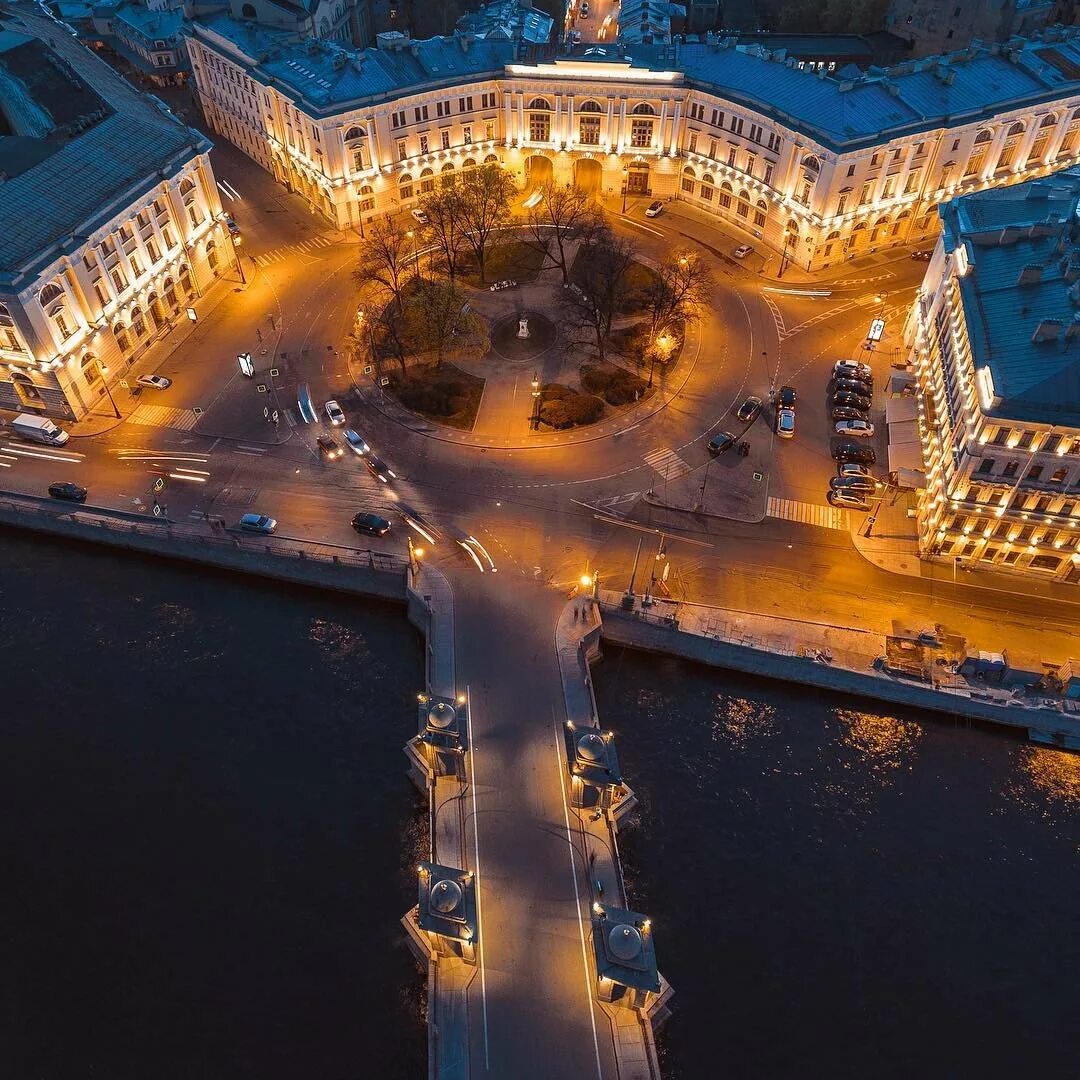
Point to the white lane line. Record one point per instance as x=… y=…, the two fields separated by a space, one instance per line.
x=638 y=225
x=248 y=453
x=256 y=449
x=476 y=856
x=577 y=894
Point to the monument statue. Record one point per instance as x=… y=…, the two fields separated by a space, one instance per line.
x=523 y=327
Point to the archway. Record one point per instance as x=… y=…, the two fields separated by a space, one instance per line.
x=157 y=312
x=538 y=171
x=588 y=174
x=637 y=179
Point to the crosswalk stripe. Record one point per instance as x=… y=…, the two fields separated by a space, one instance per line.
x=667 y=463
x=824 y=517
x=161 y=416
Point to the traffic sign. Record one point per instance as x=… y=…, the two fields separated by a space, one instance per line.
x=261 y=388
x=192 y=314
x=877 y=328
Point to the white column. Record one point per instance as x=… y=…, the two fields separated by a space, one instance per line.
x=521 y=117
x=570 y=137
x=661 y=141
x=609 y=135
x=676 y=120
x=508 y=117
x=1027 y=141
x=993 y=152
x=622 y=124
x=556 y=122
x=373 y=146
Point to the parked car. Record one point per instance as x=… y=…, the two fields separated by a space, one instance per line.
x=743 y=250
x=848 y=501
x=853 y=451
x=853 y=386
x=357 y=443
x=371 y=524
x=922 y=254
x=850 y=468
x=575 y=37
x=851 y=369
x=861 y=429
x=65 y=489
x=785 y=423
x=720 y=444
x=154 y=382
x=378 y=468
x=328 y=448
x=234 y=229
x=845 y=412
x=787 y=397
x=259 y=523
x=583 y=11
x=419 y=215
x=844 y=399
x=654 y=209
x=865 y=484
x=749 y=410
x=334 y=413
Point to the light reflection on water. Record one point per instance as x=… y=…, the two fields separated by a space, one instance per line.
x=842 y=891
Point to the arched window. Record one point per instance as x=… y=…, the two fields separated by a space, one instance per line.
x=984 y=136
x=589 y=107
x=211 y=255
x=90 y=368
x=725 y=195
x=367 y=199
x=185 y=279
x=51 y=293
x=761 y=212
x=25 y=389
x=469 y=163
x=811 y=163
x=1015 y=129
x=170 y=293
x=688 y=180
x=878 y=228
x=743 y=209
x=491 y=159
x=1048 y=121
x=447 y=178
x=643 y=109
x=540 y=103
x=427 y=182
x=248 y=11
x=405 y=188
x=137 y=323
x=708 y=188
x=9 y=339
x=353 y=133
x=187 y=185
x=122 y=340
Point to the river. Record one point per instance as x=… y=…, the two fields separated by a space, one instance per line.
x=209 y=839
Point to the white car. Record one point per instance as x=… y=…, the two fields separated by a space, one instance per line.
x=420 y=216
x=743 y=250
x=357 y=443
x=850 y=468
x=848 y=502
x=654 y=209
x=155 y=382
x=851 y=369
x=334 y=413
x=863 y=429
x=259 y=523
x=785 y=423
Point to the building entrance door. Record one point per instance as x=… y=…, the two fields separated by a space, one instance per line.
x=637 y=180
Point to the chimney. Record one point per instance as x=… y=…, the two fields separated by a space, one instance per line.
x=1047 y=330
x=1030 y=275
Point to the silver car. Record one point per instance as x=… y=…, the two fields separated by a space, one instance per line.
x=259 y=523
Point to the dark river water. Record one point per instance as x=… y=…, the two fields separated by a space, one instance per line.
x=844 y=892
x=208 y=839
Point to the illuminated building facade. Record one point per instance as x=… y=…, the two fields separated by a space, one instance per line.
x=816 y=167
x=994 y=340
x=110 y=224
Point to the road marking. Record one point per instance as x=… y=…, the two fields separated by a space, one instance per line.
x=476 y=856
x=249 y=453
x=638 y=225
x=577 y=894
x=256 y=449
x=667 y=463
x=160 y=416
x=825 y=517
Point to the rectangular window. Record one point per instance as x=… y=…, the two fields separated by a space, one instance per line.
x=465 y=104
x=768 y=172
x=489 y=130
x=755 y=133
x=986 y=466
x=539 y=127
x=118 y=280
x=641 y=133
x=444 y=139
x=688 y=185
x=102 y=293
x=841 y=204
x=717 y=118
x=736 y=125
x=712 y=149
x=1010 y=468
x=423 y=144
x=1026 y=439
x=1034 y=472
x=152 y=251
x=875 y=161
x=888 y=190
x=89 y=261
x=397 y=119
x=1050 y=444
x=732 y=151
x=864 y=195
x=442 y=108
x=851 y=170
x=466 y=135
x=167 y=236
x=590 y=130
x=402 y=150
x=692 y=144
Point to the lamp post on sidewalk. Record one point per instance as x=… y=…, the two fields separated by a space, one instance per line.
x=534 y=420
x=104 y=372
x=237 y=241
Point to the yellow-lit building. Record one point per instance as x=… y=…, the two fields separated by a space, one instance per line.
x=819 y=167
x=995 y=340
x=110 y=223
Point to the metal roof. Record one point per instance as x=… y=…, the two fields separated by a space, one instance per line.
x=1023 y=247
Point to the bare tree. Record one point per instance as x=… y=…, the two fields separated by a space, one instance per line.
x=678 y=291
x=562 y=216
x=384 y=258
x=601 y=288
x=486 y=194
x=446 y=224
x=439 y=322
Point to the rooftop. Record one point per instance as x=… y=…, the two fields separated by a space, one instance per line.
x=151 y=24
x=1021 y=294
x=86 y=139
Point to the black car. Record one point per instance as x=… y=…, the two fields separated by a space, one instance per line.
x=857 y=484
x=787 y=397
x=845 y=400
x=67 y=490
x=846 y=412
x=853 y=386
x=922 y=254
x=750 y=410
x=371 y=524
x=849 y=450
x=721 y=443
x=329 y=448
x=378 y=468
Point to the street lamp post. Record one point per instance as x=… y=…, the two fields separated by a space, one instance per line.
x=237 y=241
x=785 y=255
x=704 y=481
x=104 y=371
x=534 y=420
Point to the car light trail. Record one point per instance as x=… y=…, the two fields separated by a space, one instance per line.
x=44 y=455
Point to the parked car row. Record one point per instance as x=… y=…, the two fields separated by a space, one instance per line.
x=850 y=397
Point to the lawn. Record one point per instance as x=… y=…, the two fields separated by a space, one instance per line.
x=447 y=395
x=638 y=278
x=514 y=259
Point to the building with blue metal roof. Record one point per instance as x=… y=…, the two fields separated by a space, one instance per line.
x=995 y=342
x=818 y=167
